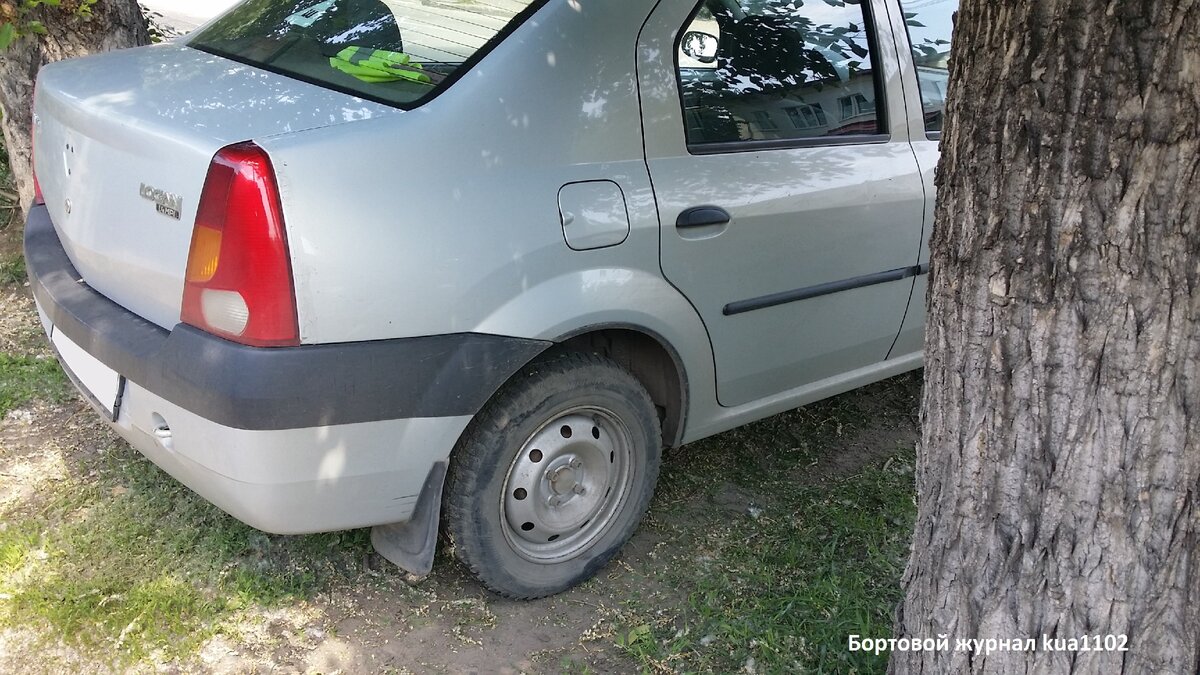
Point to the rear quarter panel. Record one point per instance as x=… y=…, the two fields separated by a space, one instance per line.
x=430 y=221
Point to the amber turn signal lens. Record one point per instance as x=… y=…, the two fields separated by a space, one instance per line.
x=205 y=254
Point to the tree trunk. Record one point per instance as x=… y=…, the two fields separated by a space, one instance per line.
x=114 y=24
x=1059 y=469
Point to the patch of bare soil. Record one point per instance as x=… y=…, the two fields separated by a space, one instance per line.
x=839 y=457
x=859 y=450
x=20 y=330
x=445 y=624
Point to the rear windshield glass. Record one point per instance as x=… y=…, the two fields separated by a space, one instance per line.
x=394 y=51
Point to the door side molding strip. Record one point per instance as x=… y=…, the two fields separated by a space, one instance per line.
x=809 y=292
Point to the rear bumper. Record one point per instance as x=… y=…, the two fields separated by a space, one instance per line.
x=289 y=440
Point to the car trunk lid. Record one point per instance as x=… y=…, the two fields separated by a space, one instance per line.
x=123 y=142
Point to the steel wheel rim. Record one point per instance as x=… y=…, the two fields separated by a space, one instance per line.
x=567 y=484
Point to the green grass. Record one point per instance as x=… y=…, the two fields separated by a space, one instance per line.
x=12 y=271
x=787 y=585
x=790 y=587
x=126 y=562
x=26 y=378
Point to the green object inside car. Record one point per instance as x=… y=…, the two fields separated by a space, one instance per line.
x=378 y=65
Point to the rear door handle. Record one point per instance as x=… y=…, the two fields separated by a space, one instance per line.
x=702 y=216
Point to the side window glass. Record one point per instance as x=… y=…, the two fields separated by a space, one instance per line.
x=929 y=26
x=761 y=70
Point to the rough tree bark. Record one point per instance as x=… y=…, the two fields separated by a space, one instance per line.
x=114 y=24
x=1059 y=470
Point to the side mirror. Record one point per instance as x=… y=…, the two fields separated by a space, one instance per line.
x=700 y=46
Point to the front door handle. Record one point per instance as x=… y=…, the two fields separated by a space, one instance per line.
x=702 y=216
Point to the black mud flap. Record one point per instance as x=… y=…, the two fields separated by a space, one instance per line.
x=411 y=545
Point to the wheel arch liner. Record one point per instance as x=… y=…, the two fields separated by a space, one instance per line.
x=675 y=438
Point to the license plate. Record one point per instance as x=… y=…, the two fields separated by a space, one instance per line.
x=101 y=384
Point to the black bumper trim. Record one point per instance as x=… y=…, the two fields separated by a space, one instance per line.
x=271 y=388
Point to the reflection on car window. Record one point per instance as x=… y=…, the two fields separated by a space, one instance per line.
x=929 y=26
x=778 y=70
x=397 y=51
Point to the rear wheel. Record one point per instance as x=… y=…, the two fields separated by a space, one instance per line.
x=553 y=475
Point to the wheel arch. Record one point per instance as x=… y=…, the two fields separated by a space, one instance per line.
x=630 y=314
x=649 y=357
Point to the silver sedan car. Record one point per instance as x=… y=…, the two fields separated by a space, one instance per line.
x=402 y=263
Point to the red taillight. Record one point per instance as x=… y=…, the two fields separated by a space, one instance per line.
x=38 y=199
x=37 y=189
x=238 y=282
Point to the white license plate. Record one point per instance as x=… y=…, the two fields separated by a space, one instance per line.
x=99 y=382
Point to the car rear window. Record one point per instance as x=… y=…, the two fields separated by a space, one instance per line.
x=399 y=52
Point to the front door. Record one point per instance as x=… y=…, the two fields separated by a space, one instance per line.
x=789 y=198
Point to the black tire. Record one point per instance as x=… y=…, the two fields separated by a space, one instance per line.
x=523 y=503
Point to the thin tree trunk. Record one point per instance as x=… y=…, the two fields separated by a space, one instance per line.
x=114 y=24
x=1059 y=470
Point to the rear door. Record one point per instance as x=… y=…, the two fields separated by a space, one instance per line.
x=789 y=197
x=923 y=28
